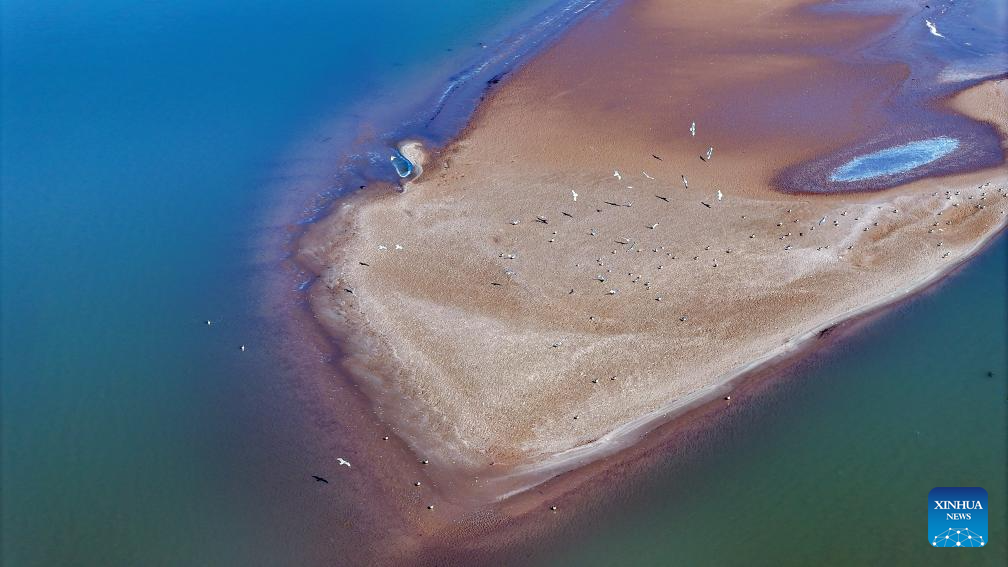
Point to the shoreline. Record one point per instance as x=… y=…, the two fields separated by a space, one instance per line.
x=790 y=353
x=683 y=406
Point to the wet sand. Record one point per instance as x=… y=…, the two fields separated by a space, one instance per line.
x=472 y=305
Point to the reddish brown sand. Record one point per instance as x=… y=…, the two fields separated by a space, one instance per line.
x=473 y=303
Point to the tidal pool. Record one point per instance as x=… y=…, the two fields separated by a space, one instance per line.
x=895 y=160
x=403 y=166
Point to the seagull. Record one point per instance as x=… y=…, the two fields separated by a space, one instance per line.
x=342 y=461
x=822 y=220
x=319 y=479
x=648 y=176
x=685 y=181
x=209 y=322
x=243 y=348
x=574 y=193
x=933 y=28
x=710 y=150
x=719 y=195
x=617 y=175
x=692 y=129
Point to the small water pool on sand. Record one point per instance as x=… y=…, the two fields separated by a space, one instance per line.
x=897 y=159
x=403 y=166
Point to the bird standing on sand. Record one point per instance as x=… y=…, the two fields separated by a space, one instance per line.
x=692 y=129
x=342 y=461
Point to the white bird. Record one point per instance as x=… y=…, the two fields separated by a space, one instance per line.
x=343 y=461
x=243 y=348
x=719 y=195
x=710 y=150
x=648 y=176
x=685 y=181
x=574 y=193
x=617 y=175
x=209 y=322
x=933 y=28
x=822 y=220
x=692 y=129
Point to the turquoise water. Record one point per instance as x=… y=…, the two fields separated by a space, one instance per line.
x=895 y=160
x=834 y=465
x=403 y=166
x=138 y=142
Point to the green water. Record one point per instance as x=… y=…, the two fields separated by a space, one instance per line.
x=834 y=466
x=140 y=141
x=138 y=145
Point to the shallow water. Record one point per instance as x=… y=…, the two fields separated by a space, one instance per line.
x=139 y=140
x=899 y=159
x=833 y=466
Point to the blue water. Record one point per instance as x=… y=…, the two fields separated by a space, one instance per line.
x=403 y=166
x=899 y=159
x=140 y=141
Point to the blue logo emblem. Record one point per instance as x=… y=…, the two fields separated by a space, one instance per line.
x=957 y=517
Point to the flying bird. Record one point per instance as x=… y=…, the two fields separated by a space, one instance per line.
x=685 y=181
x=719 y=195
x=933 y=28
x=243 y=348
x=648 y=176
x=692 y=129
x=342 y=461
x=710 y=150
x=574 y=193
x=617 y=175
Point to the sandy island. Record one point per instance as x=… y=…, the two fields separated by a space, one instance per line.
x=519 y=332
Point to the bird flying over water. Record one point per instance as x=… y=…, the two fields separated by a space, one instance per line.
x=933 y=28
x=692 y=129
x=343 y=461
x=243 y=348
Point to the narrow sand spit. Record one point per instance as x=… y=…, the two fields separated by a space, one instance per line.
x=521 y=333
